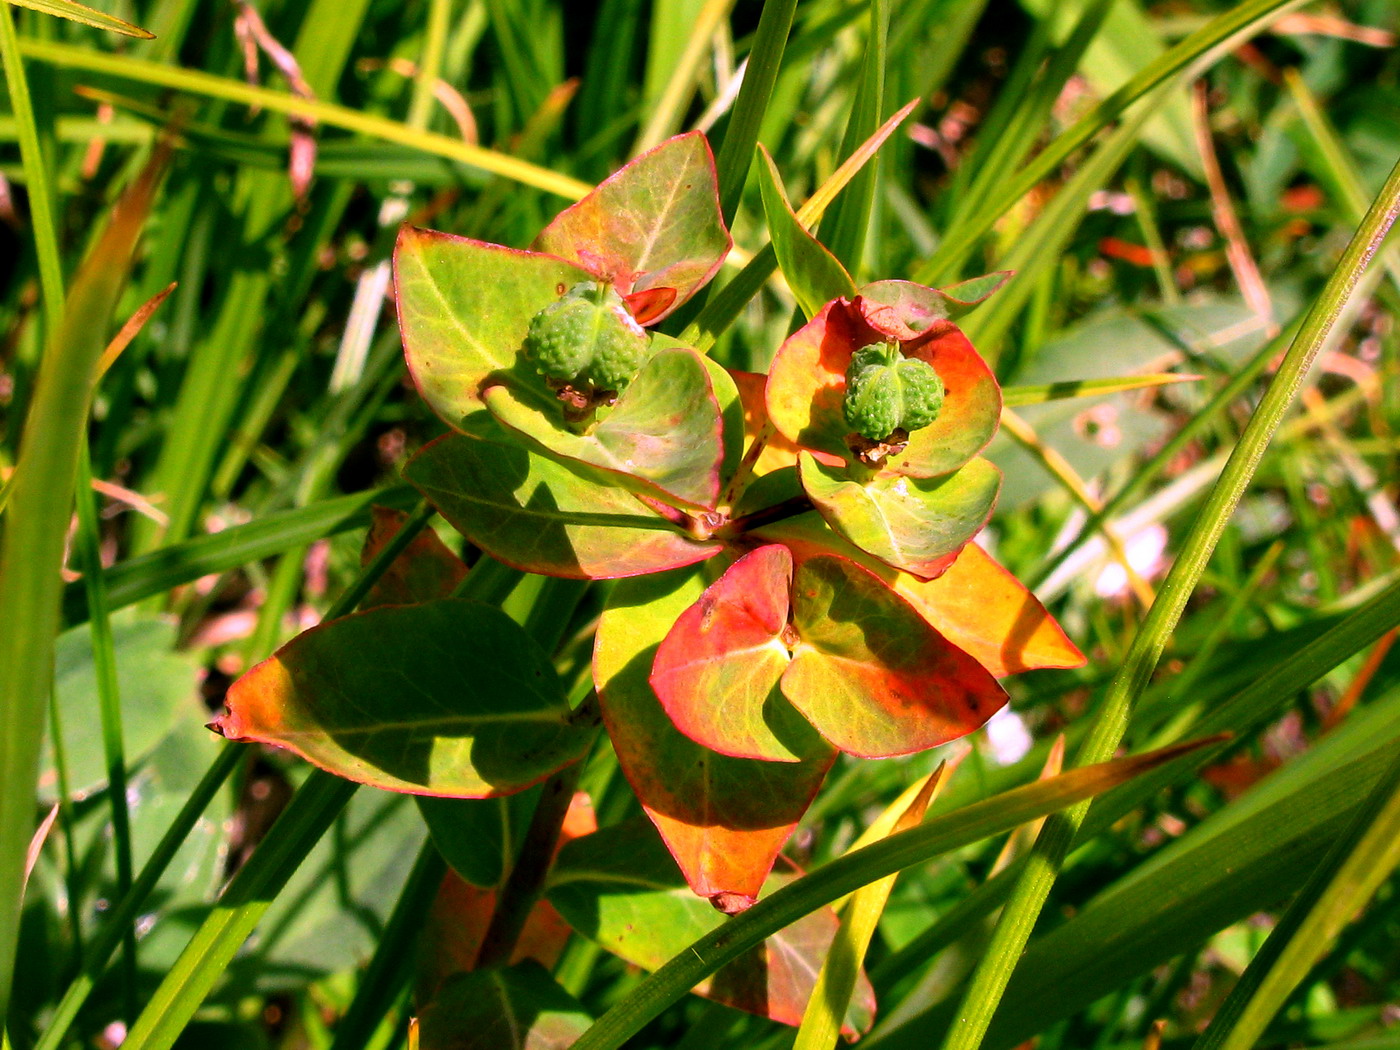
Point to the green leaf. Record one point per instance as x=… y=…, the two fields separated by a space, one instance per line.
x=665 y=434
x=813 y=273
x=716 y=673
x=724 y=819
x=965 y=294
x=464 y=308
x=542 y=516
x=619 y=888
x=478 y=837
x=872 y=676
x=914 y=524
x=158 y=686
x=445 y=698
x=807 y=382
x=84 y=15
x=518 y=1008
x=653 y=224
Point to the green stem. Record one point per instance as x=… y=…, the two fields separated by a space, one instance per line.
x=1043 y=864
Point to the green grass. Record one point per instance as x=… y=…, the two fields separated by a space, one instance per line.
x=1049 y=139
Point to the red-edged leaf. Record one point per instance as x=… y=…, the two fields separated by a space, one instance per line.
x=975 y=604
x=914 y=524
x=424 y=571
x=778 y=452
x=655 y=224
x=872 y=676
x=651 y=305
x=665 y=435
x=807 y=382
x=543 y=516
x=619 y=888
x=724 y=819
x=989 y=614
x=464 y=308
x=716 y=673
x=445 y=698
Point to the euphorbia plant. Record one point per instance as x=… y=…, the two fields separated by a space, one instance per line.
x=793 y=552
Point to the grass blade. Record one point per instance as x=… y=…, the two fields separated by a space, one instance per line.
x=1023 y=909
x=1015 y=396
x=741 y=134
x=84 y=15
x=327 y=113
x=1347 y=878
x=1191 y=54
x=952 y=831
x=32 y=553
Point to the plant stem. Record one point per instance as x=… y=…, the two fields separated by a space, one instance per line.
x=526 y=879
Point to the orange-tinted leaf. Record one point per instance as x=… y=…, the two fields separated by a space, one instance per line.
x=989 y=614
x=914 y=524
x=464 y=308
x=807 y=381
x=620 y=889
x=723 y=819
x=544 y=516
x=425 y=570
x=653 y=225
x=778 y=451
x=445 y=698
x=716 y=673
x=872 y=676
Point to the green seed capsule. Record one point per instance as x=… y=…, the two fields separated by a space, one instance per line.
x=886 y=391
x=587 y=339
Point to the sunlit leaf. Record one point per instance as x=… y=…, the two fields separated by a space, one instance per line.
x=724 y=819
x=716 y=673
x=464 y=308
x=654 y=224
x=812 y=272
x=990 y=615
x=665 y=430
x=619 y=888
x=872 y=676
x=807 y=382
x=446 y=698
x=542 y=516
x=914 y=524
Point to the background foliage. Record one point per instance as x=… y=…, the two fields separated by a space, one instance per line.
x=235 y=446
